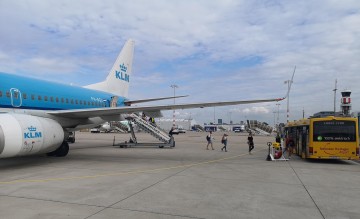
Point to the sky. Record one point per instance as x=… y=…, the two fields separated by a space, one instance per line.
x=218 y=50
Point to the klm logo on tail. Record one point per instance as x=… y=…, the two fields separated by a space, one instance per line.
x=122 y=75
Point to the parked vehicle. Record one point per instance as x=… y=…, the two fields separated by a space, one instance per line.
x=95 y=130
x=175 y=132
x=181 y=130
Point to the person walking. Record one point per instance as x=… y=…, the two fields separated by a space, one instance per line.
x=277 y=138
x=250 y=142
x=171 y=132
x=152 y=121
x=224 y=142
x=289 y=146
x=209 y=139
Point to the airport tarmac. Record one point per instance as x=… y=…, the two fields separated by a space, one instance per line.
x=97 y=180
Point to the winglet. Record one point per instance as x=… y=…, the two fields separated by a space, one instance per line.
x=280 y=99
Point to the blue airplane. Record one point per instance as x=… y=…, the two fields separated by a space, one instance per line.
x=36 y=116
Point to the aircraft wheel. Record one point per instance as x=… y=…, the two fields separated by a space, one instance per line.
x=62 y=151
x=72 y=140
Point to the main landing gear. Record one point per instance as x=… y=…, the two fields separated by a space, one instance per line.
x=62 y=151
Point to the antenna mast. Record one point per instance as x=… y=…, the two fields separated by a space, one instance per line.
x=335 y=96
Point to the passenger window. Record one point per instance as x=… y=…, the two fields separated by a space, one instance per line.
x=45 y=98
x=39 y=97
x=32 y=97
x=57 y=99
x=24 y=96
x=0 y=93
x=84 y=102
x=62 y=100
x=76 y=102
x=8 y=94
x=80 y=102
x=52 y=99
x=67 y=100
x=72 y=101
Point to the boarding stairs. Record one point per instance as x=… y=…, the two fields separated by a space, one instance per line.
x=260 y=131
x=199 y=128
x=118 y=126
x=259 y=128
x=222 y=128
x=150 y=128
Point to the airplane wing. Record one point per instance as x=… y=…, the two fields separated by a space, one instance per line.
x=88 y=113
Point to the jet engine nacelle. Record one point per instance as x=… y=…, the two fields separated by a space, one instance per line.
x=22 y=135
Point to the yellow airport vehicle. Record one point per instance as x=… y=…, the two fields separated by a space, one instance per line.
x=325 y=138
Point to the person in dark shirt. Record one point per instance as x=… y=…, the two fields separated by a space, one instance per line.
x=290 y=144
x=277 y=138
x=209 y=140
x=171 y=131
x=250 y=142
x=224 y=142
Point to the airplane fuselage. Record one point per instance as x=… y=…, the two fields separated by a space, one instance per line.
x=18 y=92
x=31 y=96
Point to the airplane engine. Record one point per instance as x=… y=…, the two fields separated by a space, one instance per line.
x=22 y=135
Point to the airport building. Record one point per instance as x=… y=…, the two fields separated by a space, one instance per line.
x=323 y=114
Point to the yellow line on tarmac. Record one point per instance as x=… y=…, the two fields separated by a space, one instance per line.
x=116 y=174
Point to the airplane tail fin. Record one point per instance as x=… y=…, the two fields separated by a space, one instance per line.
x=118 y=79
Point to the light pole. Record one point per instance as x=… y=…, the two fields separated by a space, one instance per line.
x=335 y=96
x=278 y=106
x=288 y=82
x=214 y=116
x=274 y=119
x=174 y=86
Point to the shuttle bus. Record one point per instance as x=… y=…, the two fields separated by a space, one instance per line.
x=325 y=138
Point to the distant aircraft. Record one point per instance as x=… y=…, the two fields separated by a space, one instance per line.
x=36 y=116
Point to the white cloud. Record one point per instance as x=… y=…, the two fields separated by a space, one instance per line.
x=256 y=110
x=199 y=45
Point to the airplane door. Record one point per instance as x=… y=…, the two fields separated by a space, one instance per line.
x=16 y=99
x=114 y=100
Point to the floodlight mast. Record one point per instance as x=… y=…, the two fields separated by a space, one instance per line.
x=289 y=83
x=174 y=86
